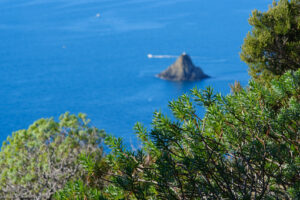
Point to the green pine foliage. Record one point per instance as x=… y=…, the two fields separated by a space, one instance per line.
x=37 y=162
x=246 y=147
x=78 y=190
x=273 y=45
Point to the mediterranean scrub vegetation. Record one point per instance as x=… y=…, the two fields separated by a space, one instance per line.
x=40 y=160
x=273 y=45
x=245 y=147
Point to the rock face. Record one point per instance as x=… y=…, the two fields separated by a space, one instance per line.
x=183 y=70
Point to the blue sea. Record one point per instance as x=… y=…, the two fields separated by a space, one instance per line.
x=90 y=56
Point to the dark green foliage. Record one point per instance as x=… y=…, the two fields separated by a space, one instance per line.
x=78 y=190
x=39 y=161
x=246 y=147
x=273 y=45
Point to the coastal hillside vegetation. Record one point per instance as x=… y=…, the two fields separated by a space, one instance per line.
x=246 y=146
x=37 y=162
x=273 y=45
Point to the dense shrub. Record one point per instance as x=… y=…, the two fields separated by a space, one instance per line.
x=273 y=45
x=37 y=162
x=246 y=147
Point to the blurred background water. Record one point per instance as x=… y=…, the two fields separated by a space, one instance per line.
x=90 y=56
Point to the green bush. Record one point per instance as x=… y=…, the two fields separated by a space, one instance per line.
x=273 y=45
x=246 y=147
x=37 y=162
x=78 y=190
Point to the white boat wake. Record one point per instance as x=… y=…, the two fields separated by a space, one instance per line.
x=203 y=59
x=161 y=56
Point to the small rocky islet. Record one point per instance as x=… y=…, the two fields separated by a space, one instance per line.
x=183 y=70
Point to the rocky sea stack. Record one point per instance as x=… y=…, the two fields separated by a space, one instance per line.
x=183 y=70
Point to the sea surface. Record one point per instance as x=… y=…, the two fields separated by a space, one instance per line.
x=90 y=56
